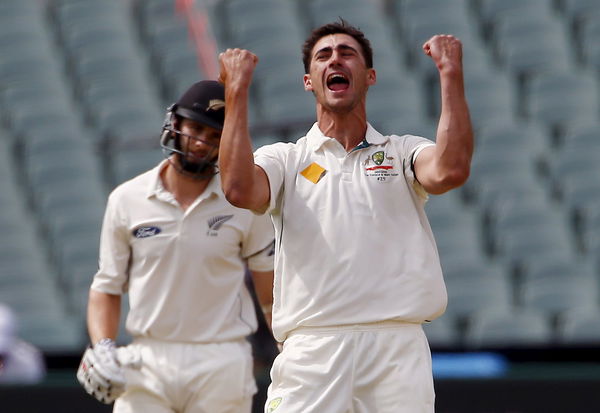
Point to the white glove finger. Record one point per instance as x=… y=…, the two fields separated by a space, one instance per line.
x=108 y=377
x=90 y=385
x=86 y=373
x=101 y=376
x=105 y=395
x=93 y=369
x=107 y=365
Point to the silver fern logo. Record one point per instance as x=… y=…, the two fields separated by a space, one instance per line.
x=215 y=223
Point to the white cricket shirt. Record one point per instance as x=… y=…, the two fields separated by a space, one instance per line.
x=353 y=243
x=184 y=270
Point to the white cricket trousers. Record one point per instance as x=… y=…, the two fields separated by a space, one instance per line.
x=188 y=378
x=369 y=368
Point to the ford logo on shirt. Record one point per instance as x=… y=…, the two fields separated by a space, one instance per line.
x=145 y=232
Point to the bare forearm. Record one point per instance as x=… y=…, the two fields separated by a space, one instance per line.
x=447 y=165
x=103 y=315
x=236 y=163
x=454 y=139
x=263 y=287
x=245 y=184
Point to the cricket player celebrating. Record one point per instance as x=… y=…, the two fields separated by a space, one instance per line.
x=356 y=266
x=171 y=239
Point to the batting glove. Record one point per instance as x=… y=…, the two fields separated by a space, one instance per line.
x=100 y=372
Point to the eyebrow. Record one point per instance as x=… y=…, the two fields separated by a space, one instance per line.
x=328 y=49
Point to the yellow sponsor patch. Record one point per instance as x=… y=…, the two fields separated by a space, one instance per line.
x=313 y=172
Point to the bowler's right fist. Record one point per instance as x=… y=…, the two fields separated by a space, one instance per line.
x=236 y=67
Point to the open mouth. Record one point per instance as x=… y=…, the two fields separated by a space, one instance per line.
x=337 y=82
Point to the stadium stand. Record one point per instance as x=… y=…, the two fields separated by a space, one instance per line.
x=495 y=329
x=84 y=86
x=555 y=98
x=443 y=332
x=579 y=327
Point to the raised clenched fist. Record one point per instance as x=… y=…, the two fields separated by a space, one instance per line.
x=445 y=50
x=236 y=67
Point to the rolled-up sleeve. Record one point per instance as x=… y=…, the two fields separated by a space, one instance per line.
x=112 y=276
x=409 y=151
x=271 y=158
x=259 y=244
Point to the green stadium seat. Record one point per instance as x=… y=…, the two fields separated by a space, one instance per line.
x=582 y=136
x=127 y=164
x=504 y=329
x=515 y=37
x=579 y=327
x=555 y=295
x=577 y=10
x=469 y=295
x=578 y=270
x=492 y=98
x=491 y=11
x=506 y=164
x=559 y=98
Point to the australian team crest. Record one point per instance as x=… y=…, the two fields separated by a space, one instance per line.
x=378 y=157
x=380 y=166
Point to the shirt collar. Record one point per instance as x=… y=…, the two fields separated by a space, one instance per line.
x=156 y=186
x=316 y=139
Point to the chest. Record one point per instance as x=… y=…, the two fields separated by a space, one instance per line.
x=199 y=231
x=361 y=179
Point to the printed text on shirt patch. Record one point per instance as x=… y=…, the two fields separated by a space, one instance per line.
x=215 y=223
x=379 y=166
x=313 y=172
x=145 y=232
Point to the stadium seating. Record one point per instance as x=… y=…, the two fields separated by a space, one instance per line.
x=581 y=135
x=492 y=97
x=576 y=10
x=84 y=86
x=579 y=327
x=555 y=295
x=500 y=163
x=492 y=10
x=555 y=98
x=470 y=294
x=515 y=35
x=128 y=163
x=421 y=20
x=443 y=332
x=497 y=329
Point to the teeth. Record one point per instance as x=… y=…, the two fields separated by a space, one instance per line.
x=336 y=76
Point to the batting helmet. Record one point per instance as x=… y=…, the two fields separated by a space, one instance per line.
x=203 y=102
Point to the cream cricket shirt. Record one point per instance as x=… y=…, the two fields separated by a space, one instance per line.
x=353 y=243
x=184 y=270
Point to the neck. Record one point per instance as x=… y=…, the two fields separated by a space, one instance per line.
x=184 y=188
x=349 y=128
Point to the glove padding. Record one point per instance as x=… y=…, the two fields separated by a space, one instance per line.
x=100 y=372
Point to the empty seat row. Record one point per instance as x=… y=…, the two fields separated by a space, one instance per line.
x=493 y=329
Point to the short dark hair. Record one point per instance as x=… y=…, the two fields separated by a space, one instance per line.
x=334 y=28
